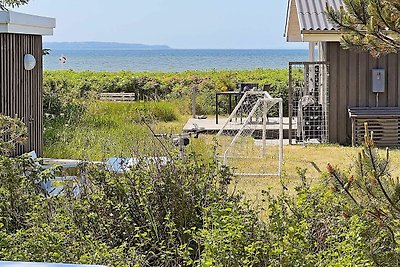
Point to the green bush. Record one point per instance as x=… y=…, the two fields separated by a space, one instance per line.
x=306 y=230
x=145 y=217
x=182 y=214
x=375 y=195
x=60 y=87
x=13 y=132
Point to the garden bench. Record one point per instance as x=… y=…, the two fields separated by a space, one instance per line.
x=118 y=97
x=121 y=165
x=49 y=185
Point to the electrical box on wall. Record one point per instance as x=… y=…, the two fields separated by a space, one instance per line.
x=378 y=80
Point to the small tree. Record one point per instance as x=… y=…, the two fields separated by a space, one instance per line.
x=369 y=25
x=376 y=194
x=12 y=3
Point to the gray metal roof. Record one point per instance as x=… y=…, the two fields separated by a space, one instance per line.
x=312 y=15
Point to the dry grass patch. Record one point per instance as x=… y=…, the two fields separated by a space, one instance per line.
x=298 y=156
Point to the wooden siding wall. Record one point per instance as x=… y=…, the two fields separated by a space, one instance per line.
x=350 y=86
x=21 y=90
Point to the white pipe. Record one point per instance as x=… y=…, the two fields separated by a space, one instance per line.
x=280 y=136
x=264 y=132
x=240 y=131
x=233 y=113
x=311 y=51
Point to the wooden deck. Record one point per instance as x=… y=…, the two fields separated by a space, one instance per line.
x=210 y=126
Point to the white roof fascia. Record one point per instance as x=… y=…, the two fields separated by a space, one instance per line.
x=293 y=32
x=321 y=37
x=14 y=22
x=285 y=34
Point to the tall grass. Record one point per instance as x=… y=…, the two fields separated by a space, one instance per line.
x=108 y=129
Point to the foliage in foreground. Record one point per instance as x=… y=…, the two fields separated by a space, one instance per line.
x=369 y=25
x=12 y=132
x=146 y=217
x=182 y=214
x=12 y=3
x=177 y=215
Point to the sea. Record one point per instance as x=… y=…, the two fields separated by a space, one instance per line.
x=171 y=60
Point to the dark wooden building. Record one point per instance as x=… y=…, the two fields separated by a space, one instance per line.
x=21 y=70
x=361 y=88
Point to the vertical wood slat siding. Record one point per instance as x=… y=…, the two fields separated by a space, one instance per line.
x=383 y=101
x=353 y=94
x=392 y=80
x=21 y=90
x=350 y=86
x=343 y=92
x=332 y=54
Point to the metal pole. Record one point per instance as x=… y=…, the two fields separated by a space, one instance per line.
x=280 y=137
x=264 y=133
x=234 y=112
x=216 y=108
x=230 y=104
x=353 y=132
x=240 y=131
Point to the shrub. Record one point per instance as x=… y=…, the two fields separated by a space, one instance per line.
x=375 y=194
x=147 y=216
x=62 y=86
x=13 y=132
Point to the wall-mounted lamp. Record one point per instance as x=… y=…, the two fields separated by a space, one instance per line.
x=29 y=62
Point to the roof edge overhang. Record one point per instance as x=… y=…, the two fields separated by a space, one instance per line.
x=285 y=34
x=15 y=22
x=295 y=33
x=321 y=36
x=291 y=18
x=314 y=36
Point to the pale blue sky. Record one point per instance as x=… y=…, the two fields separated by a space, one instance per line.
x=236 y=24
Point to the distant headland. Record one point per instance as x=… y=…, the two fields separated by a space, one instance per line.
x=101 y=46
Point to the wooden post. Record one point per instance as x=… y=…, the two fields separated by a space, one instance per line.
x=194 y=92
x=353 y=132
x=290 y=104
x=216 y=108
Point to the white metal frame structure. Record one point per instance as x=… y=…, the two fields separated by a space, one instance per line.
x=264 y=103
x=309 y=102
